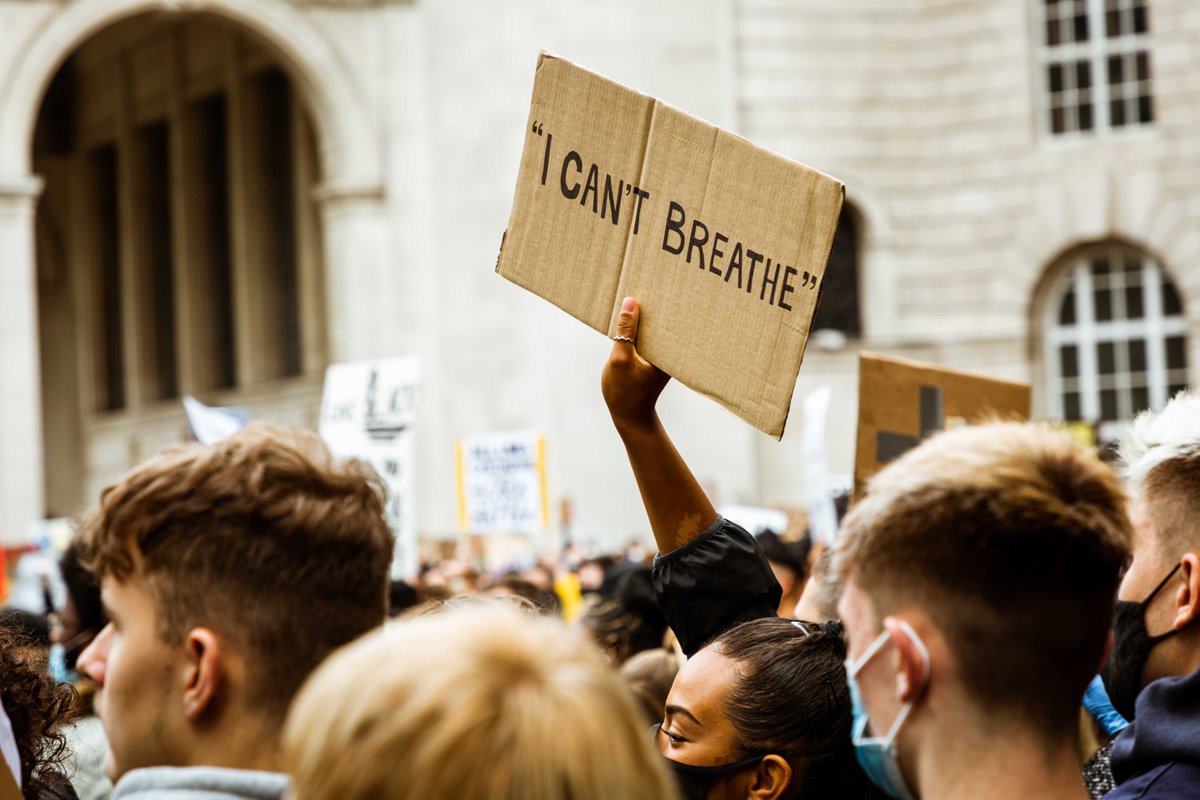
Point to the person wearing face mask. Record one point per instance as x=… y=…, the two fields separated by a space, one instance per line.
x=979 y=573
x=761 y=708
x=1153 y=673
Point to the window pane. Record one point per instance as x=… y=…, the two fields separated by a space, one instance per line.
x=110 y=322
x=1116 y=70
x=1141 y=22
x=1145 y=109
x=1133 y=302
x=1100 y=267
x=1068 y=356
x=1085 y=117
x=152 y=195
x=1137 y=355
x=1057 y=120
x=1071 y=406
x=1066 y=312
x=1083 y=75
x=1056 y=77
x=1106 y=358
x=1176 y=353
x=1172 y=305
x=1102 y=305
x=1143 y=66
x=1175 y=389
x=1081 y=27
x=1140 y=398
x=1052 y=37
x=1116 y=113
x=1112 y=23
x=1108 y=404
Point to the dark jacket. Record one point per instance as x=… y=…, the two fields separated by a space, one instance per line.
x=716 y=581
x=1158 y=755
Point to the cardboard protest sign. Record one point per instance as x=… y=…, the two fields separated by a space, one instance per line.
x=368 y=411
x=723 y=243
x=502 y=483
x=901 y=402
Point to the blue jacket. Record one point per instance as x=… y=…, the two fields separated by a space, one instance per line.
x=1158 y=755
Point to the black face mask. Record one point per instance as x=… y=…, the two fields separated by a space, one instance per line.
x=1132 y=644
x=694 y=782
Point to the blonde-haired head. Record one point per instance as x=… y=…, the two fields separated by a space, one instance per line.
x=479 y=701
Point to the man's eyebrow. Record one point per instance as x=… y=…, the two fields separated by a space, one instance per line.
x=683 y=712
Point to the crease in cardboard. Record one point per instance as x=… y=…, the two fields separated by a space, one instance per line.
x=647 y=129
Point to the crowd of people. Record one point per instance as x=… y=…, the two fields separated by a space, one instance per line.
x=1002 y=616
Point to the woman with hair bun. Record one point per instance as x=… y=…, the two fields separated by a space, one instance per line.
x=761 y=710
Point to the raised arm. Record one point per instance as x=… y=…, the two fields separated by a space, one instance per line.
x=679 y=510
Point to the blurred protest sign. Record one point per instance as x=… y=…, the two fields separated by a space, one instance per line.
x=723 y=243
x=755 y=520
x=901 y=402
x=502 y=483
x=211 y=424
x=818 y=499
x=368 y=411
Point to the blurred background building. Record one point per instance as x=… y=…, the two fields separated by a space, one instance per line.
x=222 y=197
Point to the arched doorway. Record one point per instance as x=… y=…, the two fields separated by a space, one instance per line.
x=178 y=241
x=288 y=51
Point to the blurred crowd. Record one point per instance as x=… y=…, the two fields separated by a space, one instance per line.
x=1001 y=615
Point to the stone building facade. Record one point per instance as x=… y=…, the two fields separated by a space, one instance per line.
x=221 y=197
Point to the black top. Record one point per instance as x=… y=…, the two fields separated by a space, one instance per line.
x=716 y=581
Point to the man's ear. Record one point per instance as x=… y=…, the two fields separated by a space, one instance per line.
x=205 y=675
x=771 y=778
x=1187 y=599
x=912 y=669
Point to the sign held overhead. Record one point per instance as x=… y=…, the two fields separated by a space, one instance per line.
x=723 y=243
x=901 y=402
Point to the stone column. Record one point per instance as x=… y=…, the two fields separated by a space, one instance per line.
x=21 y=469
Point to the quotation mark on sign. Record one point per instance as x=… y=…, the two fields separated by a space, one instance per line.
x=890 y=445
x=810 y=280
x=537 y=127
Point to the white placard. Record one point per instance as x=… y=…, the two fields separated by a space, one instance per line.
x=822 y=515
x=368 y=412
x=502 y=483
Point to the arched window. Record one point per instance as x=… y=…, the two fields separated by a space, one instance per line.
x=838 y=308
x=1114 y=338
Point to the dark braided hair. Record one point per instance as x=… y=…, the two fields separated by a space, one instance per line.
x=791 y=698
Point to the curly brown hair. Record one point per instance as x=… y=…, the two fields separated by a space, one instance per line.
x=39 y=707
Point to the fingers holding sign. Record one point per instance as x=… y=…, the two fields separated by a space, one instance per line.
x=631 y=384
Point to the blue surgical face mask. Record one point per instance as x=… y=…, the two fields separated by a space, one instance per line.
x=877 y=755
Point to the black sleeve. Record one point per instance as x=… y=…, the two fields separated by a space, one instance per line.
x=715 y=581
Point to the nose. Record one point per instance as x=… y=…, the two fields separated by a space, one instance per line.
x=93 y=661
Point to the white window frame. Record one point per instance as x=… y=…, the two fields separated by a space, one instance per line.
x=1096 y=51
x=1086 y=332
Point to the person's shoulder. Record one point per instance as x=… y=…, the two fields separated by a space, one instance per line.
x=1175 y=780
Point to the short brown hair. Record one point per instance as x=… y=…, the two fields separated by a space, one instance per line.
x=479 y=700
x=1012 y=539
x=263 y=538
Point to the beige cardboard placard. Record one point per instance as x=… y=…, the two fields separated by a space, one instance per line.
x=723 y=243
x=901 y=402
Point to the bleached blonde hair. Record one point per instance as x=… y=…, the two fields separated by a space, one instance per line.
x=479 y=701
x=1160 y=455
